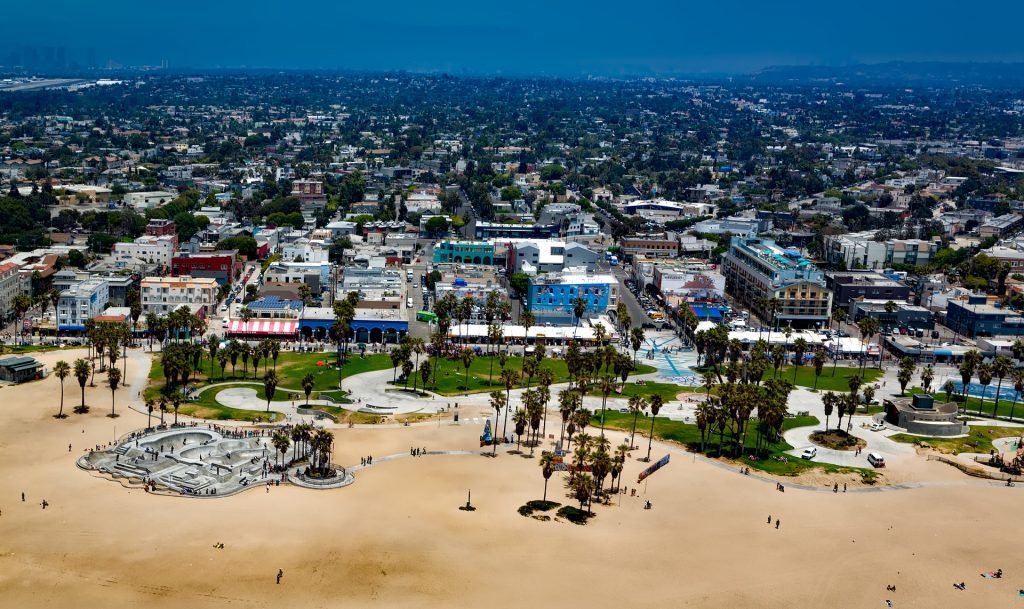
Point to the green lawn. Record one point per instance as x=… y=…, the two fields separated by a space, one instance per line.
x=688 y=435
x=667 y=391
x=979 y=440
x=827 y=381
x=451 y=374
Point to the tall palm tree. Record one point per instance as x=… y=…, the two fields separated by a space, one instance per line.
x=608 y=385
x=61 y=370
x=113 y=380
x=579 y=308
x=520 y=419
x=280 y=441
x=269 y=386
x=1018 y=387
x=985 y=374
x=81 y=371
x=655 y=404
x=510 y=378
x=544 y=391
x=149 y=413
x=467 y=356
x=497 y=402
x=636 y=340
x=526 y=320
x=1001 y=367
x=637 y=404
x=567 y=403
x=547 y=467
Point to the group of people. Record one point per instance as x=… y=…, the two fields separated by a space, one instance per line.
x=366 y=460
x=777 y=522
x=416 y=452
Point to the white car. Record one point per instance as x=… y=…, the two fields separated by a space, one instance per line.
x=223 y=308
x=877 y=427
x=809 y=453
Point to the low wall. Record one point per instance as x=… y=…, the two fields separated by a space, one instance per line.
x=316 y=413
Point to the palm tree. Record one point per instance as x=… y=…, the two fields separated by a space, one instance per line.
x=113 y=380
x=281 y=441
x=637 y=404
x=1018 y=387
x=927 y=375
x=526 y=320
x=771 y=307
x=868 y=329
x=799 y=349
x=82 y=370
x=1001 y=367
x=608 y=385
x=520 y=420
x=820 y=359
x=985 y=374
x=636 y=340
x=704 y=416
x=269 y=385
x=416 y=345
x=497 y=402
x=222 y=359
x=510 y=378
x=828 y=399
x=61 y=370
x=582 y=487
x=567 y=402
x=547 y=467
x=467 y=356
x=149 y=413
x=655 y=404
x=257 y=355
x=308 y=382
x=579 y=308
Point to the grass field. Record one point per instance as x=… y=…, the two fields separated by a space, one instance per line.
x=667 y=391
x=688 y=435
x=451 y=374
x=979 y=440
x=827 y=381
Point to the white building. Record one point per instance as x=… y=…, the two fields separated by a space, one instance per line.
x=10 y=286
x=83 y=300
x=154 y=250
x=161 y=295
x=307 y=250
x=148 y=200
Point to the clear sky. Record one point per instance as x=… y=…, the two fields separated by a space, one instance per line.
x=554 y=37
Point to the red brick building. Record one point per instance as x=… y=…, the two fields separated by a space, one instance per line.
x=223 y=266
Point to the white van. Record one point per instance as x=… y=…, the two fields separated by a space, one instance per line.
x=876 y=460
x=408 y=302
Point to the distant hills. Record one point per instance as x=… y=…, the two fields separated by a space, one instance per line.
x=900 y=73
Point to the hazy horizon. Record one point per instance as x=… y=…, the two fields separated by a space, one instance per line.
x=653 y=37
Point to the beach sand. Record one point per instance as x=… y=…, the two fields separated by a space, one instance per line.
x=396 y=537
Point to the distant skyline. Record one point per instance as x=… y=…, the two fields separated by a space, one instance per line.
x=556 y=38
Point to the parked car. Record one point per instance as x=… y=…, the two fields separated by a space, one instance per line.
x=877 y=427
x=809 y=453
x=876 y=460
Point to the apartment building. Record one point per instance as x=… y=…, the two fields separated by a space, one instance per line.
x=863 y=251
x=11 y=285
x=154 y=250
x=80 y=302
x=161 y=295
x=758 y=270
x=551 y=295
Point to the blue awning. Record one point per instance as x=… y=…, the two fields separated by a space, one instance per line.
x=945 y=352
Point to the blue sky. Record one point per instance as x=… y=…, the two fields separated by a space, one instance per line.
x=557 y=37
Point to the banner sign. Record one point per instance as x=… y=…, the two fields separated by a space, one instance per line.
x=662 y=462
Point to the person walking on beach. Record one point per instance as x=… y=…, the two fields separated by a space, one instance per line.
x=776 y=523
x=280 y=574
x=769 y=518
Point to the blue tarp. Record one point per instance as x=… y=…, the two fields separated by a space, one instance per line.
x=706 y=312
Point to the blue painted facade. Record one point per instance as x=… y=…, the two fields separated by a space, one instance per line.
x=553 y=300
x=467 y=252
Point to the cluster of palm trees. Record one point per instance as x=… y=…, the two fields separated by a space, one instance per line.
x=973 y=365
x=108 y=342
x=591 y=464
x=845 y=404
x=741 y=390
x=306 y=441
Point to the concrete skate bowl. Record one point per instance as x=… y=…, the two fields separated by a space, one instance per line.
x=178 y=438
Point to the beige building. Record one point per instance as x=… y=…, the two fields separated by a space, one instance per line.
x=161 y=295
x=11 y=285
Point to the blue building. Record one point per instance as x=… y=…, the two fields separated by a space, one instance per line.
x=492 y=230
x=368 y=326
x=978 y=318
x=464 y=252
x=550 y=296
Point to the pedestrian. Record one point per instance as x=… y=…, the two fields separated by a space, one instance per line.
x=844 y=487
x=280 y=574
x=23 y=496
x=69 y=446
x=769 y=518
x=776 y=523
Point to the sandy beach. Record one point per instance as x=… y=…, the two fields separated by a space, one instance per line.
x=395 y=537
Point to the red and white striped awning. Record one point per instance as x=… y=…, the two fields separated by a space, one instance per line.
x=264 y=327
